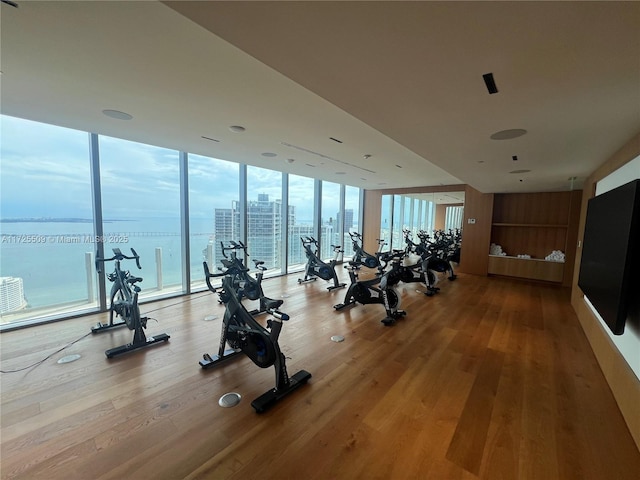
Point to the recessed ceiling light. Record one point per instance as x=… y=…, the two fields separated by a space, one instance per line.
x=118 y=115
x=310 y=165
x=520 y=171
x=399 y=166
x=508 y=134
x=269 y=154
x=335 y=140
x=291 y=160
x=237 y=128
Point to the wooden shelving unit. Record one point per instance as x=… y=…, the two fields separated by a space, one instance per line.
x=535 y=224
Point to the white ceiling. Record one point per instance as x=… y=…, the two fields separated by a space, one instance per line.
x=399 y=81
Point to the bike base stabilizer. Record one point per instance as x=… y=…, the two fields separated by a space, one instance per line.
x=130 y=347
x=268 y=399
x=209 y=361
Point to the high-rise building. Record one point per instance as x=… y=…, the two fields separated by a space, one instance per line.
x=264 y=219
x=348 y=219
x=226 y=228
x=348 y=226
x=11 y=294
x=295 y=250
x=264 y=238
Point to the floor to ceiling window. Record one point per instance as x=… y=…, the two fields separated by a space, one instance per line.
x=330 y=222
x=453 y=218
x=408 y=214
x=398 y=222
x=430 y=217
x=46 y=218
x=141 y=210
x=49 y=230
x=351 y=218
x=264 y=217
x=301 y=198
x=213 y=193
x=386 y=219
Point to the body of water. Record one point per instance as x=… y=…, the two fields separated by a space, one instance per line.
x=50 y=257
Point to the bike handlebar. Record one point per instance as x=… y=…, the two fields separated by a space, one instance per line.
x=391 y=255
x=233 y=245
x=117 y=255
x=208 y=276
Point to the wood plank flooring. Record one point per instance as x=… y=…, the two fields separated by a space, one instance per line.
x=489 y=379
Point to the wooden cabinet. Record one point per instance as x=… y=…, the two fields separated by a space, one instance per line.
x=533 y=268
x=535 y=224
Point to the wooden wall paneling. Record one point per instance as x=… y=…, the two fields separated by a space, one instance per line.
x=550 y=208
x=371 y=220
x=536 y=224
x=571 y=246
x=542 y=208
x=441 y=212
x=474 y=254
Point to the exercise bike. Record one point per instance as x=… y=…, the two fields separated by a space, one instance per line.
x=360 y=257
x=436 y=262
x=379 y=289
x=317 y=268
x=419 y=272
x=244 y=334
x=250 y=287
x=124 y=304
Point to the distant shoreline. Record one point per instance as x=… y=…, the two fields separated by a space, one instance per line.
x=55 y=220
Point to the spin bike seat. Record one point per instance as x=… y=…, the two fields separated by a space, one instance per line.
x=133 y=280
x=272 y=304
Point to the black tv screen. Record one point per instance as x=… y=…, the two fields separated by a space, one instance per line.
x=610 y=254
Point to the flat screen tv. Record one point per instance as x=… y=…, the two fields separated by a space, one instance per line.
x=609 y=270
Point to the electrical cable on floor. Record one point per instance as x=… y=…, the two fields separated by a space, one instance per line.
x=47 y=357
x=205 y=294
x=190 y=297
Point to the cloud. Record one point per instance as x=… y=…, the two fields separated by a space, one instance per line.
x=46 y=172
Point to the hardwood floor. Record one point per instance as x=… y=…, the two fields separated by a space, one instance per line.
x=488 y=379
